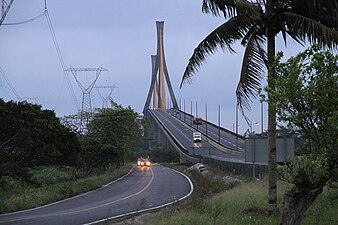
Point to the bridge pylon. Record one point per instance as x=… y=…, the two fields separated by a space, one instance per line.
x=160 y=76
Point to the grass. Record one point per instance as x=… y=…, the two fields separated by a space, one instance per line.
x=29 y=197
x=244 y=204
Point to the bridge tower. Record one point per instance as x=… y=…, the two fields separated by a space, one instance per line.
x=160 y=76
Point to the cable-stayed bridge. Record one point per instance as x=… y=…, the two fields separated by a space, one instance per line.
x=174 y=128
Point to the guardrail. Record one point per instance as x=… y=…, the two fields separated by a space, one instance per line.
x=173 y=141
x=212 y=124
x=214 y=143
x=258 y=170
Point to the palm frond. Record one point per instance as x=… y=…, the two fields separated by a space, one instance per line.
x=284 y=35
x=253 y=70
x=315 y=32
x=231 y=8
x=323 y=11
x=297 y=39
x=222 y=37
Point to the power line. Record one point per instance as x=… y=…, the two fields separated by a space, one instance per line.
x=10 y=84
x=5 y=7
x=58 y=50
x=25 y=21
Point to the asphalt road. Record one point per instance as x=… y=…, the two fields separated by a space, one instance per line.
x=184 y=135
x=142 y=189
x=226 y=138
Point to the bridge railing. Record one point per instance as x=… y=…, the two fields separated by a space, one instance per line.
x=178 y=116
x=257 y=170
x=173 y=141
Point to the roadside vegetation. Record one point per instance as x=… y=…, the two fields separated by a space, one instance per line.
x=53 y=184
x=43 y=160
x=244 y=204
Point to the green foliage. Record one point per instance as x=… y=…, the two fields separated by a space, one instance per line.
x=23 y=197
x=112 y=136
x=7 y=183
x=306 y=169
x=30 y=136
x=49 y=175
x=243 y=204
x=306 y=99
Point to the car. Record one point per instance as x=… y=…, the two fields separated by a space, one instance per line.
x=198 y=121
x=143 y=162
x=197 y=137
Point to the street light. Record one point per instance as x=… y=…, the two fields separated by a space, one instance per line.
x=206 y=119
x=219 y=123
x=236 y=126
x=184 y=109
x=191 y=113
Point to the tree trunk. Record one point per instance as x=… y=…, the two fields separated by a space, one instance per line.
x=297 y=201
x=272 y=170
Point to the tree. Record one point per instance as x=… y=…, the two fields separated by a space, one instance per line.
x=115 y=132
x=254 y=24
x=30 y=136
x=306 y=101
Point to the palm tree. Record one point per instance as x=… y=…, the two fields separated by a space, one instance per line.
x=256 y=25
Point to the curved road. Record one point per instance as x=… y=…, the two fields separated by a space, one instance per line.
x=142 y=189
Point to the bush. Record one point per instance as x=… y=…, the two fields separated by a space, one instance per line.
x=7 y=183
x=43 y=175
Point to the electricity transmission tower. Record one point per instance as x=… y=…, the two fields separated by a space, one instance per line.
x=86 y=107
x=5 y=5
x=105 y=94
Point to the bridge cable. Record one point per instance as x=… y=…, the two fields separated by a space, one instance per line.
x=58 y=50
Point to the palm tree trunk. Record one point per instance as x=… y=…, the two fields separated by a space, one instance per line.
x=272 y=171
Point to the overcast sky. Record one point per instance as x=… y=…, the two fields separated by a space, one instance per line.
x=121 y=37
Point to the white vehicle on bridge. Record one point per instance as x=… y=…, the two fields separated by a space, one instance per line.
x=197 y=137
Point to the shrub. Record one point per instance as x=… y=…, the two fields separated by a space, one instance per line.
x=7 y=183
x=49 y=175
